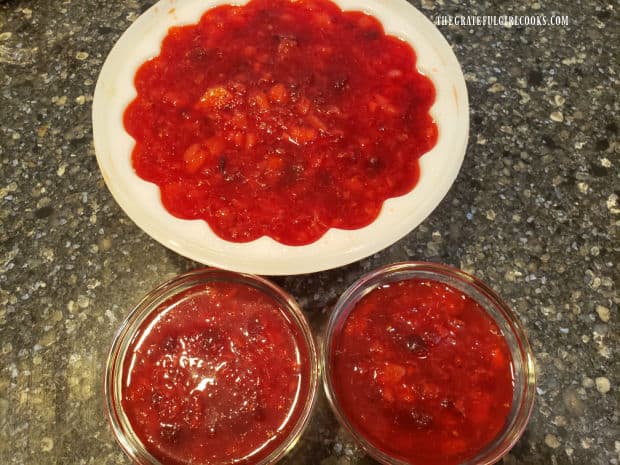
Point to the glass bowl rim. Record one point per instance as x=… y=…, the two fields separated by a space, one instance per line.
x=152 y=302
x=515 y=426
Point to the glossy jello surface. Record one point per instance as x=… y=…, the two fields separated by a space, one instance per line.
x=422 y=372
x=281 y=118
x=218 y=376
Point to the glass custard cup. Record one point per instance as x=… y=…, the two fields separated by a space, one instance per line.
x=342 y=325
x=227 y=361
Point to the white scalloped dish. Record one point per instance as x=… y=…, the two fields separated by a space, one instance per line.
x=194 y=238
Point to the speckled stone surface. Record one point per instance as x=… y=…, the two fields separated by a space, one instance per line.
x=535 y=212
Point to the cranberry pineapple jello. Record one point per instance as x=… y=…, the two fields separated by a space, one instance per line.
x=426 y=366
x=212 y=368
x=281 y=118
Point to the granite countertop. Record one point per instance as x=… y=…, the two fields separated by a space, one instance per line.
x=534 y=212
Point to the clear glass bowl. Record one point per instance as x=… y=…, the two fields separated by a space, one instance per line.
x=160 y=299
x=506 y=320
